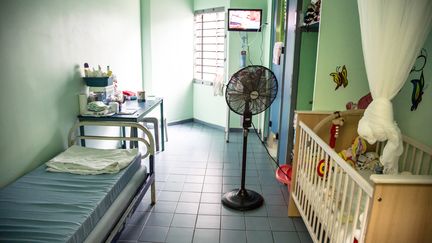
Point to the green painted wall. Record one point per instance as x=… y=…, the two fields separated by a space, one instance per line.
x=207 y=107
x=339 y=43
x=307 y=65
x=168 y=54
x=41 y=44
x=416 y=124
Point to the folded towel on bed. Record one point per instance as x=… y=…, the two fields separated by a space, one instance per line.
x=91 y=161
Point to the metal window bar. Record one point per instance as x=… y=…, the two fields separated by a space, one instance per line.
x=209 y=38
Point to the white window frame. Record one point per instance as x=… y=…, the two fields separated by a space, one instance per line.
x=200 y=47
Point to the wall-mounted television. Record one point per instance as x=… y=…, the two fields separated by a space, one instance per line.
x=244 y=19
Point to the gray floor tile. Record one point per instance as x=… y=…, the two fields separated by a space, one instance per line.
x=283 y=237
x=176 y=178
x=213 y=179
x=180 y=235
x=233 y=222
x=138 y=218
x=299 y=224
x=214 y=188
x=193 y=197
x=165 y=207
x=277 y=210
x=215 y=165
x=259 y=236
x=304 y=237
x=275 y=200
x=184 y=220
x=194 y=179
x=233 y=236
x=229 y=187
x=232 y=172
x=231 y=212
x=196 y=171
x=208 y=222
x=210 y=209
x=281 y=224
x=206 y=236
x=211 y=197
x=192 y=187
x=154 y=234
x=169 y=196
x=214 y=172
x=159 y=219
x=173 y=186
x=260 y=212
x=188 y=208
x=257 y=223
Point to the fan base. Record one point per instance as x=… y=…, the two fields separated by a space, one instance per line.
x=242 y=199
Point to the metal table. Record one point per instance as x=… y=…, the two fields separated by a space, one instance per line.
x=142 y=109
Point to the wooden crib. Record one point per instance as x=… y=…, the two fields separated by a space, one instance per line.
x=350 y=205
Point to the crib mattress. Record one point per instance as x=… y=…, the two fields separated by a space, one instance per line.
x=58 y=207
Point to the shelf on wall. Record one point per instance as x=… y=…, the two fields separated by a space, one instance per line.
x=313 y=27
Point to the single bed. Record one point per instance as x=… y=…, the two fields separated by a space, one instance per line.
x=45 y=206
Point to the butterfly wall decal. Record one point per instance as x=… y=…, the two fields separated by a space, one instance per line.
x=417 y=93
x=340 y=77
x=418 y=84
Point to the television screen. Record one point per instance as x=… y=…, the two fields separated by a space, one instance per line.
x=244 y=19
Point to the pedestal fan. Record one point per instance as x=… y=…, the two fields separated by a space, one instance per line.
x=250 y=91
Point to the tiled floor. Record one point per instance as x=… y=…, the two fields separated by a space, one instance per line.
x=197 y=167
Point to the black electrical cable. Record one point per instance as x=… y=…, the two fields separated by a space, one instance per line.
x=248 y=51
x=268 y=153
x=261 y=47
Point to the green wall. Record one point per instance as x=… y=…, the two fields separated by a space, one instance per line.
x=307 y=65
x=168 y=54
x=207 y=107
x=416 y=124
x=339 y=43
x=42 y=44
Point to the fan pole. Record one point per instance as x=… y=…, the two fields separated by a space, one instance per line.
x=243 y=199
x=243 y=176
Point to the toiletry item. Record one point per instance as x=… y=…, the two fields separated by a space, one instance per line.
x=86 y=70
x=82 y=103
x=109 y=72
x=141 y=96
x=114 y=107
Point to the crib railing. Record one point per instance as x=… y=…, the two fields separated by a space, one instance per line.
x=334 y=205
x=416 y=157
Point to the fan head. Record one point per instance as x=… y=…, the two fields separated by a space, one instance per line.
x=251 y=89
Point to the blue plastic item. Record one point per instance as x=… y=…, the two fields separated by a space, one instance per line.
x=98 y=81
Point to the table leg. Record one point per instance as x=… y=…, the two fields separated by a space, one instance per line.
x=134 y=133
x=123 y=134
x=82 y=134
x=162 y=125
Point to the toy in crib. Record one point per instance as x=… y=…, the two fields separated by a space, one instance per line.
x=357 y=157
x=352 y=153
x=334 y=130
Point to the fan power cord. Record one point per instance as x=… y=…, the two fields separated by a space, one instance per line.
x=268 y=153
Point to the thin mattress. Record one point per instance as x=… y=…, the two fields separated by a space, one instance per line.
x=58 y=207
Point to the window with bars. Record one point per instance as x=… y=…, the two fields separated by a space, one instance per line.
x=209 y=44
